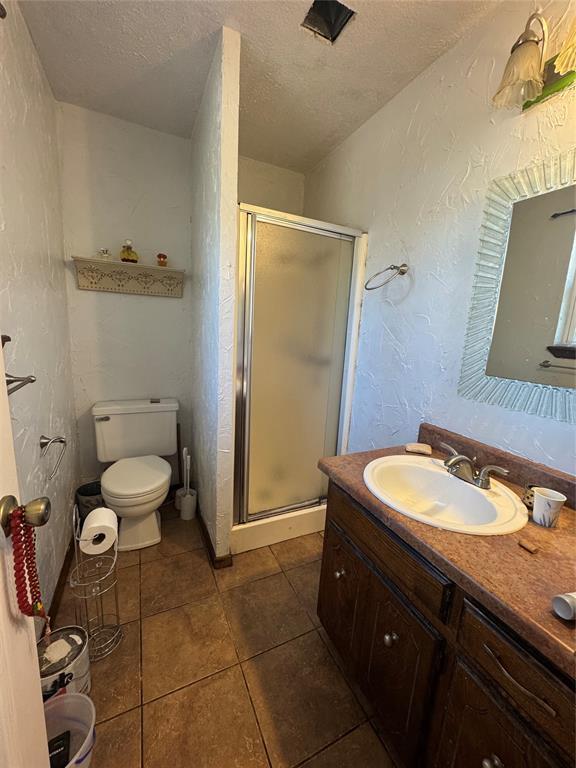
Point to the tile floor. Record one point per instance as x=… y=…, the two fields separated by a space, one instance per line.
x=227 y=668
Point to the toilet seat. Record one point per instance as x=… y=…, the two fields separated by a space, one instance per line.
x=118 y=503
x=141 y=478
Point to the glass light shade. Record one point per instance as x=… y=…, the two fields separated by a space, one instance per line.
x=566 y=59
x=522 y=79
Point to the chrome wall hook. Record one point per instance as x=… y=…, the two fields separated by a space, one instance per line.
x=45 y=443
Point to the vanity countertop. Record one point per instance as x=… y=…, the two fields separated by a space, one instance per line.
x=516 y=586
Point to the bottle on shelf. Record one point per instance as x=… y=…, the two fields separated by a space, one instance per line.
x=128 y=253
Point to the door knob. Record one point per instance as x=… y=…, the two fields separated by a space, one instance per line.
x=338 y=573
x=36 y=512
x=390 y=638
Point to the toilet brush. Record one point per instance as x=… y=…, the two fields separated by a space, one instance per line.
x=188 y=499
x=182 y=491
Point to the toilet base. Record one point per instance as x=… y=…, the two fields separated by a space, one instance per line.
x=139 y=532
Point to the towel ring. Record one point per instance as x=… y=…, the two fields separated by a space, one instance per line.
x=396 y=270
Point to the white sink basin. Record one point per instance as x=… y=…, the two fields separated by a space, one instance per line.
x=421 y=488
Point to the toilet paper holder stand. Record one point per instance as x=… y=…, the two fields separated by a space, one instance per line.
x=94 y=583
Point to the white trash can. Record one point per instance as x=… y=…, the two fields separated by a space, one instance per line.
x=64 y=662
x=70 y=720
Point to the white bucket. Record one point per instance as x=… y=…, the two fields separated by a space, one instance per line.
x=64 y=662
x=72 y=712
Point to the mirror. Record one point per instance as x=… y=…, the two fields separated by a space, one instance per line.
x=521 y=337
x=535 y=318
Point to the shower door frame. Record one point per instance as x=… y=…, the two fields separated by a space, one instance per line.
x=249 y=216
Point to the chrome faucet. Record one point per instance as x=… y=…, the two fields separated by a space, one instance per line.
x=464 y=468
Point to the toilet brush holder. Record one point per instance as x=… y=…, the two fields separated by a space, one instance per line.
x=178 y=497
x=188 y=505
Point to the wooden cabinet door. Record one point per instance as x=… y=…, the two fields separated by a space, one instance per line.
x=343 y=580
x=477 y=733
x=400 y=661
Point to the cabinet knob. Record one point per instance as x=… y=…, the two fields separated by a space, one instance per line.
x=339 y=572
x=389 y=639
x=492 y=762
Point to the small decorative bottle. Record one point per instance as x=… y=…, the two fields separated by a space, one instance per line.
x=161 y=259
x=128 y=253
x=104 y=254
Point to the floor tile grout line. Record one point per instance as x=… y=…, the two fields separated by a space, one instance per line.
x=237 y=663
x=300 y=600
x=273 y=648
x=301 y=565
x=230 y=632
x=302 y=763
x=141 y=667
x=362 y=722
x=258 y=725
x=249 y=581
x=180 y=605
x=162 y=556
x=265 y=576
x=190 y=684
x=246 y=686
x=278 y=645
x=344 y=677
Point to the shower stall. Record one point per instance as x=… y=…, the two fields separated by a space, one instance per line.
x=298 y=311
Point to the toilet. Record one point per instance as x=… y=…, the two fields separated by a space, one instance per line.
x=134 y=434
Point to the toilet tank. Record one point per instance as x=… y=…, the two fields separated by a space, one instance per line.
x=128 y=428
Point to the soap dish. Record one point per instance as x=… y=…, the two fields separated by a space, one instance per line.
x=422 y=448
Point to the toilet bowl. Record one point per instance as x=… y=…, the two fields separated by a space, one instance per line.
x=134 y=488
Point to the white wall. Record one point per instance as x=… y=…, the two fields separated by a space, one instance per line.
x=32 y=287
x=269 y=186
x=415 y=177
x=120 y=180
x=214 y=222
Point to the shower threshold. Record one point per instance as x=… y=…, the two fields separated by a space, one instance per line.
x=288 y=508
x=278 y=527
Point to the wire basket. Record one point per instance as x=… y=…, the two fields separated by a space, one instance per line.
x=94 y=584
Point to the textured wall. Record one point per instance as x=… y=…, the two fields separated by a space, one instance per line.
x=415 y=177
x=32 y=288
x=270 y=186
x=120 y=180
x=214 y=221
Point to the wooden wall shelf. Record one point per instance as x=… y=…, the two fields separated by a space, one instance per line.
x=124 y=277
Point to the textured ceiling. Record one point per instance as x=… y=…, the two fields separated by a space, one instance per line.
x=147 y=62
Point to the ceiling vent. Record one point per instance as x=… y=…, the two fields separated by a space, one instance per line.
x=327 y=18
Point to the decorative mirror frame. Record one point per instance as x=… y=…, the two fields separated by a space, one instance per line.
x=545 y=400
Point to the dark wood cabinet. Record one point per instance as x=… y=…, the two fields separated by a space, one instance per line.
x=451 y=687
x=399 y=663
x=477 y=733
x=343 y=583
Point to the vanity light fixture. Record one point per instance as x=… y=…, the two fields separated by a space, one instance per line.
x=523 y=78
x=566 y=59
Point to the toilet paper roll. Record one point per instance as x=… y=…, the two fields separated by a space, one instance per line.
x=99 y=532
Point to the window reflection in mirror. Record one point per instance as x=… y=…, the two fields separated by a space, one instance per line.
x=537 y=301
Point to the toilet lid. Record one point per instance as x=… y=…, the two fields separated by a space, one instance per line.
x=136 y=477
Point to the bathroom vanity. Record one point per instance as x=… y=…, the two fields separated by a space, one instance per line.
x=450 y=636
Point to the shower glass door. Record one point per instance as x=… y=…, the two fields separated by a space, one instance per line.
x=297 y=288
